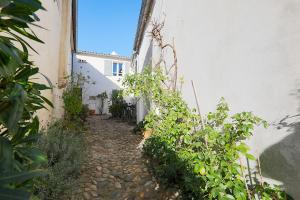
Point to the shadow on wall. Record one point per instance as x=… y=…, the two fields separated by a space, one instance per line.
x=282 y=160
x=101 y=83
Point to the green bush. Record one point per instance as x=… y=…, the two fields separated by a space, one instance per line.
x=20 y=99
x=84 y=112
x=118 y=104
x=72 y=97
x=139 y=128
x=65 y=150
x=201 y=157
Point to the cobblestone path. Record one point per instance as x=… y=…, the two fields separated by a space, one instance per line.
x=115 y=168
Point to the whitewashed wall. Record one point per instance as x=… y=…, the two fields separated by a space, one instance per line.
x=54 y=57
x=247 y=52
x=100 y=80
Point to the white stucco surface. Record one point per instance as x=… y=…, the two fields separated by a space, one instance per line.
x=247 y=52
x=54 y=57
x=98 y=80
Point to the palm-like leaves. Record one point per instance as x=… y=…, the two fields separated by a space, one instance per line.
x=20 y=98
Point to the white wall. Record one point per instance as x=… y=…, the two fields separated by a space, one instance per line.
x=54 y=56
x=247 y=52
x=94 y=68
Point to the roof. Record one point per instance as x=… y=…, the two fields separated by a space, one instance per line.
x=145 y=12
x=74 y=23
x=104 y=55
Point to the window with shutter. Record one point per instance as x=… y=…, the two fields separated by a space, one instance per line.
x=108 y=68
x=120 y=70
x=117 y=69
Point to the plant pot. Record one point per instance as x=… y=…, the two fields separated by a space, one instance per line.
x=147 y=133
x=92 y=112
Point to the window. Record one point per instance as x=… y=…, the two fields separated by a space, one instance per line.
x=82 y=61
x=120 y=69
x=117 y=69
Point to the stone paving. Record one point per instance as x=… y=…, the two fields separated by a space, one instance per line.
x=115 y=168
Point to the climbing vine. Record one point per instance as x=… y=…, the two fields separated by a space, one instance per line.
x=204 y=157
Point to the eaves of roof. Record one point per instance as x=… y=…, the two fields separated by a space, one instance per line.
x=103 y=55
x=146 y=9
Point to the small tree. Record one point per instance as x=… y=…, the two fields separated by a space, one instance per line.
x=72 y=97
x=201 y=156
x=102 y=97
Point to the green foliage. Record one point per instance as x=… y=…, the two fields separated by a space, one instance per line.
x=65 y=150
x=63 y=143
x=118 y=104
x=139 y=128
x=84 y=112
x=202 y=158
x=72 y=97
x=103 y=96
x=20 y=98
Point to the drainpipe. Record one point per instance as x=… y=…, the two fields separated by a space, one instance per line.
x=134 y=61
x=72 y=65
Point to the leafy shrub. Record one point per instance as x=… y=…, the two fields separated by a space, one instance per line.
x=63 y=143
x=202 y=157
x=20 y=98
x=72 y=98
x=84 y=112
x=139 y=128
x=65 y=150
x=118 y=104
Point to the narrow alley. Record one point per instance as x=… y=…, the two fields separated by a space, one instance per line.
x=115 y=168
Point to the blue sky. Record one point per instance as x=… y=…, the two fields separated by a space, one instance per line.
x=107 y=25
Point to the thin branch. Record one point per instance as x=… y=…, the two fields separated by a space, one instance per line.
x=245 y=182
x=156 y=35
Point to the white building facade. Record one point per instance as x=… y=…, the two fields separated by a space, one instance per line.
x=103 y=73
x=59 y=34
x=245 y=51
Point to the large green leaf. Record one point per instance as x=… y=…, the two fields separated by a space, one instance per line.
x=13 y=113
x=33 y=154
x=6 y=155
x=20 y=98
x=10 y=58
x=13 y=194
x=25 y=72
x=20 y=177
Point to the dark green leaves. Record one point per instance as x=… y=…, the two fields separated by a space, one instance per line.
x=13 y=111
x=17 y=194
x=19 y=100
x=20 y=177
x=6 y=155
x=202 y=161
x=13 y=194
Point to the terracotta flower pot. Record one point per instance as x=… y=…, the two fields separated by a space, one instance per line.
x=92 y=112
x=147 y=133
